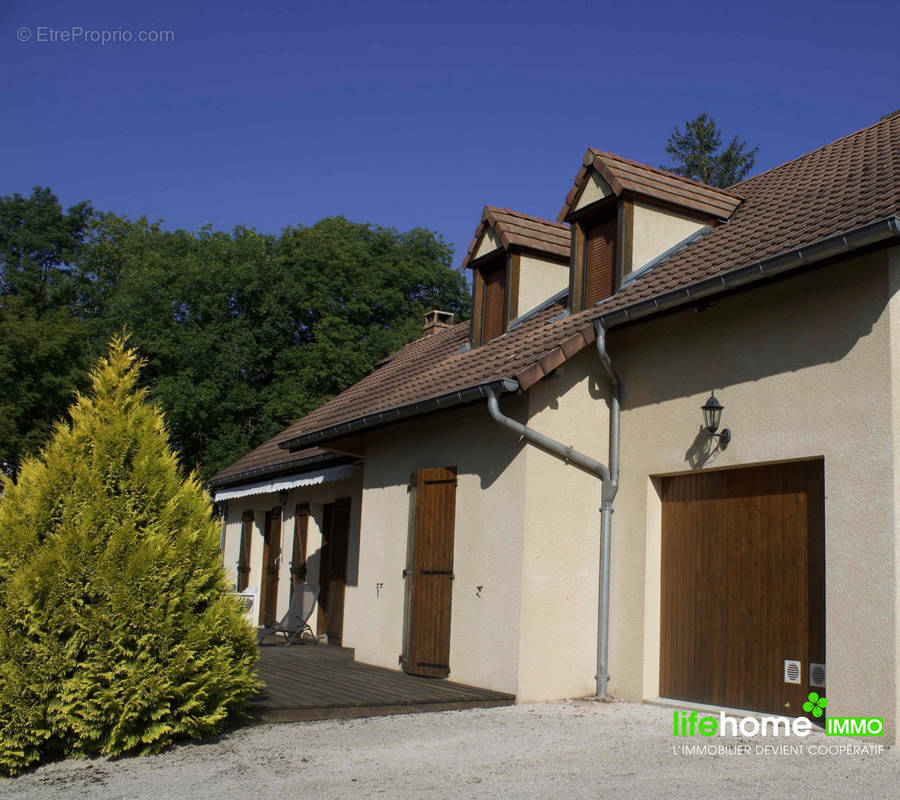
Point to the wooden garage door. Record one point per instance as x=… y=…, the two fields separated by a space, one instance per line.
x=743 y=585
x=429 y=572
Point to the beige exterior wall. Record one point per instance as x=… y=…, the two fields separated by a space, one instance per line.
x=317 y=497
x=561 y=537
x=489 y=242
x=596 y=188
x=538 y=280
x=484 y=641
x=894 y=317
x=655 y=231
x=804 y=369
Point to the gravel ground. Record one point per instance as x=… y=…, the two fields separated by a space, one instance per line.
x=545 y=750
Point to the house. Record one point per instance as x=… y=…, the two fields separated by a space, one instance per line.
x=543 y=501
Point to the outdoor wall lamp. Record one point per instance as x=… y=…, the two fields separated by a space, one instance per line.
x=712 y=416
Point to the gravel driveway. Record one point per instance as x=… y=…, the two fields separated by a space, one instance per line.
x=546 y=750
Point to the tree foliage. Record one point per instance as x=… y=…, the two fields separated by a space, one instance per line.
x=243 y=332
x=115 y=632
x=697 y=154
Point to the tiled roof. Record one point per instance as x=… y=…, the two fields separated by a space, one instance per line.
x=521 y=230
x=269 y=457
x=845 y=185
x=626 y=176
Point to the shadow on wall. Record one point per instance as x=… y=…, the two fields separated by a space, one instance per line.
x=752 y=335
x=466 y=438
x=313 y=570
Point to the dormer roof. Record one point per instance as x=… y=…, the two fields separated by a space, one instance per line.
x=510 y=229
x=622 y=176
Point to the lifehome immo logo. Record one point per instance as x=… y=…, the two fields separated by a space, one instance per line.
x=690 y=723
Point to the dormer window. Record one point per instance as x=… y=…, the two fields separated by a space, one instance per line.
x=493 y=308
x=517 y=263
x=626 y=216
x=594 y=275
x=599 y=260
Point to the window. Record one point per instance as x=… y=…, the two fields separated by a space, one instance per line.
x=599 y=261
x=243 y=565
x=493 y=324
x=595 y=268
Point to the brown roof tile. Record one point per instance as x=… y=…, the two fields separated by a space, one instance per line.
x=844 y=185
x=627 y=176
x=515 y=229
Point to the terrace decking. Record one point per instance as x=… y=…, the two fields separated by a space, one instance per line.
x=306 y=682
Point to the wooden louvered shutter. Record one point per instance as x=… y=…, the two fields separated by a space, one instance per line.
x=298 y=552
x=429 y=572
x=243 y=566
x=599 y=261
x=494 y=295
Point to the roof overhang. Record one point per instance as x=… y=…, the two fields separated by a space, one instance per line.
x=812 y=254
x=501 y=230
x=289 y=465
x=452 y=399
x=872 y=233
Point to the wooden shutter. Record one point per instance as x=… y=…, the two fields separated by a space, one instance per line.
x=333 y=568
x=271 y=561
x=243 y=565
x=494 y=302
x=298 y=551
x=599 y=261
x=429 y=572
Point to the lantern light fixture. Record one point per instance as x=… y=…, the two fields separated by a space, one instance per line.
x=712 y=416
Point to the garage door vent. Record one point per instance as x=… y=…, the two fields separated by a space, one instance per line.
x=791 y=671
x=817 y=675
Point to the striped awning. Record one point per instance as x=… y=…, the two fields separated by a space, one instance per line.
x=286 y=482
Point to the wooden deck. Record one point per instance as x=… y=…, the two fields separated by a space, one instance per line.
x=306 y=681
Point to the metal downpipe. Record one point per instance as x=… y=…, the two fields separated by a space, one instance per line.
x=568 y=453
x=609 y=477
x=610 y=487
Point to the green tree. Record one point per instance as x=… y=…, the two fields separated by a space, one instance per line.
x=243 y=332
x=43 y=360
x=116 y=635
x=696 y=153
x=40 y=247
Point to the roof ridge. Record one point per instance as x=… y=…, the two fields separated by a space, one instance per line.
x=882 y=121
x=552 y=223
x=666 y=173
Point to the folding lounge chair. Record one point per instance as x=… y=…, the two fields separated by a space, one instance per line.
x=296 y=621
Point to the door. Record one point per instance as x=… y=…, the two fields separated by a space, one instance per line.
x=743 y=586
x=333 y=570
x=271 y=558
x=429 y=572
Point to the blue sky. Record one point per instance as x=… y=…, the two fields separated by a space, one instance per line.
x=412 y=113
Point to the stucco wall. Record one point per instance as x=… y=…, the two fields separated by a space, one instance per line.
x=538 y=280
x=595 y=189
x=894 y=318
x=803 y=368
x=489 y=242
x=655 y=231
x=317 y=497
x=561 y=545
x=487 y=543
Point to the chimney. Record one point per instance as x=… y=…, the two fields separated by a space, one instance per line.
x=436 y=321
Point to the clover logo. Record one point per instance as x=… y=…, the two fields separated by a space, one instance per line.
x=815 y=704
